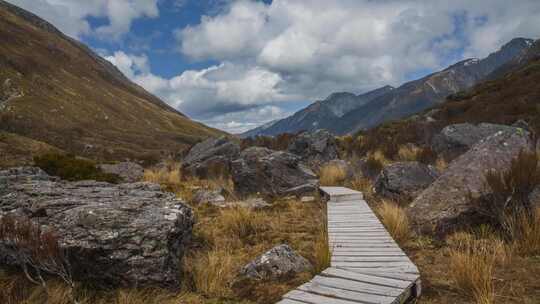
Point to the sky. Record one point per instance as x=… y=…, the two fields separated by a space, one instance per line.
x=235 y=65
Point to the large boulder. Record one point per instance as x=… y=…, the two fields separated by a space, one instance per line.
x=315 y=148
x=457 y=139
x=214 y=154
x=129 y=172
x=277 y=263
x=271 y=173
x=448 y=202
x=130 y=234
x=404 y=180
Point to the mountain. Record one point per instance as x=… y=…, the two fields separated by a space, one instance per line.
x=55 y=90
x=415 y=96
x=410 y=98
x=321 y=114
x=511 y=94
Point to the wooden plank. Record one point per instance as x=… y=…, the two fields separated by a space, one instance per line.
x=390 y=275
x=357 y=295
x=357 y=286
x=312 y=298
x=371 y=259
x=288 y=301
x=374 y=264
x=350 y=275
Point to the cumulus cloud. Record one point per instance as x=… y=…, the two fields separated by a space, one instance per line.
x=226 y=96
x=313 y=48
x=71 y=16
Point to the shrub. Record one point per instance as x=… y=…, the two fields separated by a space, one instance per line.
x=70 y=168
x=395 y=220
x=35 y=251
x=427 y=156
x=373 y=165
x=332 y=175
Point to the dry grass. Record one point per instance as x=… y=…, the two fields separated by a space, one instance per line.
x=323 y=252
x=526 y=233
x=212 y=271
x=472 y=264
x=332 y=175
x=172 y=179
x=395 y=220
x=408 y=152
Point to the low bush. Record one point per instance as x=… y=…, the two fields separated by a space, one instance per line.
x=427 y=156
x=71 y=168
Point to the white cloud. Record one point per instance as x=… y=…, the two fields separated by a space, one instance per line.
x=227 y=96
x=70 y=16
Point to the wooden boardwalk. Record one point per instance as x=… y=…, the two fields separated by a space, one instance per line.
x=367 y=265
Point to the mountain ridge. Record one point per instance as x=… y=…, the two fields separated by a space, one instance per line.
x=413 y=96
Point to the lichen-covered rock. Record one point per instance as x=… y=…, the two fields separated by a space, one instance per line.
x=315 y=148
x=447 y=201
x=279 y=262
x=129 y=172
x=130 y=234
x=271 y=173
x=208 y=196
x=457 y=139
x=214 y=154
x=404 y=180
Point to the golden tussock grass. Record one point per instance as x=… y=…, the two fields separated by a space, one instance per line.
x=395 y=220
x=525 y=233
x=332 y=175
x=322 y=251
x=473 y=259
x=408 y=153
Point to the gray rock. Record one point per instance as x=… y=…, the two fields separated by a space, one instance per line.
x=128 y=171
x=315 y=148
x=254 y=203
x=128 y=234
x=279 y=262
x=457 y=139
x=209 y=155
x=208 y=196
x=404 y=180
x=271 y=173
x=446 y=202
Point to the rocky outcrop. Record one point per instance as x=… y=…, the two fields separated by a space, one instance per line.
x=447 y=202
x=214 y=154
x=404 y=180
x=271 y=173
x=130 y=234
x=279 y=262
x=457 y=139
x=129 y=172
x=315 y=148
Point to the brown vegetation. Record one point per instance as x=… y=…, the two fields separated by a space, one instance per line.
x=332 y=175
x=71 y=168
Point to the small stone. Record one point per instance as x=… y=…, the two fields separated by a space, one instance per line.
x=279 y=262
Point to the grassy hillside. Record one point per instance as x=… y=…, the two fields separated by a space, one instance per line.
x=55 y=90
